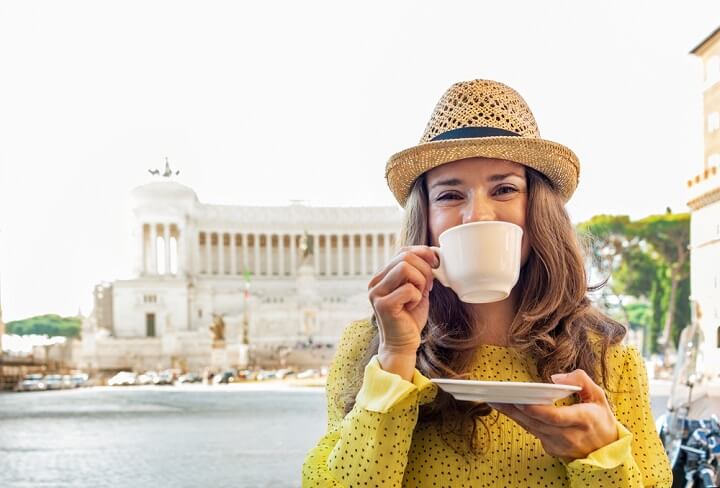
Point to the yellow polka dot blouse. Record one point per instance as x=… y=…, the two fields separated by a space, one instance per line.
x=380 y=444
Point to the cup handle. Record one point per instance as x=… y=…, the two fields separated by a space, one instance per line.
x=439 y=272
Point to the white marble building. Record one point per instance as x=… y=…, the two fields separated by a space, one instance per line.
x=192 y=261
x=704 y=203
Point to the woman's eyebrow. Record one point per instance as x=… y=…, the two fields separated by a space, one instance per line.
x=449 y=182
x=501 y=177
x=458 y=181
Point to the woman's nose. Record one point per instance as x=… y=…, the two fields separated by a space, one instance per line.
x=479 y=210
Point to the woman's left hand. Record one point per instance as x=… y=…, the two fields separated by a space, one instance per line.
x=568 y=432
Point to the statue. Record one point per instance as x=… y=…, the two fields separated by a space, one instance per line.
x=167 y=173
x=218 y=328
x=306 y=246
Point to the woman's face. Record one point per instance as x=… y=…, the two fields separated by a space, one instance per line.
x=474 y=190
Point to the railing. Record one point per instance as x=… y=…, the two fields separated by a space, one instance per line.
x=14 y=368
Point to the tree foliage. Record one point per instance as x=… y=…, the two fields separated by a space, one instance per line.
x=647 y=260
x=606 y=239
x=50 y=325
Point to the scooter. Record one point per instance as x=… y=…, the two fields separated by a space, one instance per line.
x=692 y=446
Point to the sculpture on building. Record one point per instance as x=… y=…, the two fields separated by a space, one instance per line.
x=306 y=246
x=167 y=173
x=218 y=329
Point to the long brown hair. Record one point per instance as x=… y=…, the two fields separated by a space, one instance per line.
x=555 y=325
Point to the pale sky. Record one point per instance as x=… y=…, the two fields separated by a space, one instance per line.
x=264 y=102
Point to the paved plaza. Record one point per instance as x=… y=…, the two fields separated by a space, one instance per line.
x=227 y=436
x=150 y=437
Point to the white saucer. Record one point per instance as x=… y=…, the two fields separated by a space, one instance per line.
x=505 y=391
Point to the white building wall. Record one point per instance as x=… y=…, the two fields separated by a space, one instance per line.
x=215 y=245
x=133 y=299
x=705 y=277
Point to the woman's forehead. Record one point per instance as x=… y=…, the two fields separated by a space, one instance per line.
x=479 y=167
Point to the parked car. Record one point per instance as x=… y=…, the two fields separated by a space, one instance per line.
x=123 y=378
x=308 y=373
x=285 y=373
x=164 y=378
x=32 y=382
x=266 y=375
x=247 y=374
x=79 y=380
x=189 y=378
x=147 y=378
x=225 y=377
x=53 y=382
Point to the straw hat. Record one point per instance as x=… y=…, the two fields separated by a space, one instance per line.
x=482 y=118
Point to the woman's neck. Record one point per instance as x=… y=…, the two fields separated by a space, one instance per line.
x=493 y=320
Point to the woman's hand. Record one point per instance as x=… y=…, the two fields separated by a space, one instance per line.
x=399 y=294
x=569 y=432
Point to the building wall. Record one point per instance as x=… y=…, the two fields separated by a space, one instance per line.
x=192 y=261
x=704 y=203
x=709 y=54
x=705 y=277
x=103 y=310
x=134 y=299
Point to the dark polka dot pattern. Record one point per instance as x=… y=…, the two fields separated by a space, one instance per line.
x=385 y=449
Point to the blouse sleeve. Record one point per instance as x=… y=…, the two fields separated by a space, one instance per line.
x=370 y=443
x=637 y=458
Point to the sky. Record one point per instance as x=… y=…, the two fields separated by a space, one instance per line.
x=267 y=102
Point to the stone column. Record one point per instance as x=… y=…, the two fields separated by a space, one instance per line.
x=375 y=253
x=340 y=254
x=166 y=242
x=233 y=254
x=196 y=252
x=180 y=245
x=244 y=240
x=153 y=249
x=208 y=252
x=328 y=249
x=268 y=252
x=142 y=256
x=281 y=255
x=351 y=253
x=256 y=250
x=293 y=254
x=316 y=253
x=221 y=253
x=363 y=254
x=387 y=248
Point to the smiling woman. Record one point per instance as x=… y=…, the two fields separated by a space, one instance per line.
x=481 y=159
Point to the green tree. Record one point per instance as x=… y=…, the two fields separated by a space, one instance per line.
x=637 y=272
x=669 y=237
x=658 y=302
x=648 y=260
x=50 y=325
x=640 y=314
x=606 y=239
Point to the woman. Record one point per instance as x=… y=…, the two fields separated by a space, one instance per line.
x=482 y=158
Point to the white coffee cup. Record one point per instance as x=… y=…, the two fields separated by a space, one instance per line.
x=480 y=261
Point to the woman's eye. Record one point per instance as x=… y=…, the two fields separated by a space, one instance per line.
x=504 y=190
x=448 y=196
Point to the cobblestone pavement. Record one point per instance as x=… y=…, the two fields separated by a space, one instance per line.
x=157 y=437
x=138 y=437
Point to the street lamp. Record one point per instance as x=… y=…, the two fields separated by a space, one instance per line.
x=245 y=339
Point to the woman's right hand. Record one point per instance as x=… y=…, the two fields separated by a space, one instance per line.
x=399 y=294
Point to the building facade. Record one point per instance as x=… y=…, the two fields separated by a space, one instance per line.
x=704 y=203
x=234 y=285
